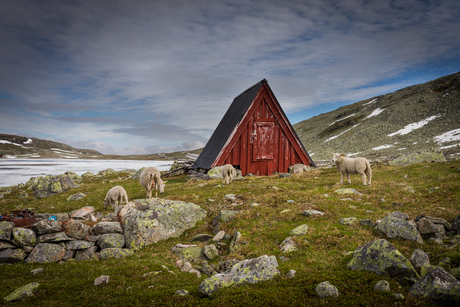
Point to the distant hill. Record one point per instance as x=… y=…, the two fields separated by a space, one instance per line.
x=414 y=119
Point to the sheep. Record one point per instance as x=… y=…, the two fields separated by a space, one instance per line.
x=228 y=173
x=151 y=178
x=352 y=166
x=115 y=196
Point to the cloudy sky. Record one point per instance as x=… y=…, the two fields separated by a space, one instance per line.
x=139 y=77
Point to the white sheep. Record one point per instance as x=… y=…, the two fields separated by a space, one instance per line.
x=151 y=178
x=228 y=173
x=352 y=166
x=115 y=196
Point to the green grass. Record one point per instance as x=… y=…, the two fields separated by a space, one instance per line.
x=321 y=254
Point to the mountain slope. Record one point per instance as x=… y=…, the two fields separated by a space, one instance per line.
x=417 y=118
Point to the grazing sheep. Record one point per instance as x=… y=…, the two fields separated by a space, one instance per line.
x=115 y=196
x=352 y=166
x=151 y=178
x=228 y=173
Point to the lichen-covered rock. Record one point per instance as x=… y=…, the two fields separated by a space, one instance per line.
x=11 y=255
x=85 y=254
x=46 y=252
x=51 y=185
x=106 y=172
x=311 y=212
x=366 y=223
x=76 y=196
x=87 y=174
x=56 y=237
x=24 y=237
x=225 y=216
x=79 y=244
x=6 y=227
x=300 y=230
x=102 y=280
x=425 y=226
x=76 y=229
x=288 y=245
x=5 y=245
x=86 y=214
x=190 y=253
x=46 y=226
x=247 y=271
x=210 y=251
x=161 y=219
x=106 y=227
x=394 y=227
x=115 y=253
x=111 y=240
x=346 y=191
x=298 y=168
x=418 y=259
x=326 y=289
x=22 y=292
x=439 y=286
x=382 y=258
x=382 y=285
x=348 y=220
x=235 y=242
x=137 y=174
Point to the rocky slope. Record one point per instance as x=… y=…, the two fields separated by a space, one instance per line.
x=423 y=117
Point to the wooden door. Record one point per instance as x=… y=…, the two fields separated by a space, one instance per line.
x=264 y=136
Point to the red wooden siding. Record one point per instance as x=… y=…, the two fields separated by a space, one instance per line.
x=263 y=142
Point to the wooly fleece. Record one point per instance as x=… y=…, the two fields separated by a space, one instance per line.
x=151 y=178
x=228 y=173
x=115 y=196
x=349 y=166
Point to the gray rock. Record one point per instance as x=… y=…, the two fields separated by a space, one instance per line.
x=210 y=251
x=51 y=185
x=230 y=197
x=348 y=220
x=311 y=212
x=288 y=245
x=439 y=231
x=225 y=216
x=164 y=219
x=182 y=292
x=77 y=196
x=46 y=252
x=37 y=271
x=10 y=255
x=22 y=292
x=398 y=228
x=234 y=244
x=346 y=191
x=83 y=214
x=106 y=227
x=435 y=220
x=382 y=285
x=190 y=253
x=291 y=274
x=111 y=240
x=399 y=296
x=418 y=259
x=366 y=223
x=326 y=289
x=285 y=175
x=225 y=266
x=300 y=230
x=219 y=236
x=6 y=227
x=5 y=245
x=435 y=240
x=104 y=279
x=201 y=238
x=54 y=238
x=298 y=168
x=85 y=254
x=115 y=253
x=76 y=229
x=78 y=244
x=247 y=271
x=24 y=237
x=382 y=258
x=438 y=286
x=399 y=215
x=425 y=226
x=46 y=226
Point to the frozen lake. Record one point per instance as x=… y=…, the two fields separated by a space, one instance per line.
x=15 y=171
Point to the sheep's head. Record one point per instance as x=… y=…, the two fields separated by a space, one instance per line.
x=161 y=186
x=336 y=156
x=105 y=202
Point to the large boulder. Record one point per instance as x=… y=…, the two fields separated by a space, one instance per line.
x=51 y=185
x=382 y=258
x=148 y=221
x=56 y=237
x=46 y=226
x=85 y=214
x=76 y=229
x=10 y=255
x=247 y=271
x=6 y=227
x=111 y=240
x=22 y=292
x=24 y=237
x=115 y=253
x=106 y=227
x=326 y=289
x=419 y=259
x=298 y=168
x=439 y=286
x=394 y=227
x=46 y=252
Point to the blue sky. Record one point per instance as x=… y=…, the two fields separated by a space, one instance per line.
x=140 y=77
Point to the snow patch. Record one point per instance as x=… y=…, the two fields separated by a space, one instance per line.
x=353 y=154
x=372 y=101
x=312 y=154
x=29 y=141
x=449 y=136
x=449 y=146
x=375 y=113
x=382 y=147
x=411 y=127
x=8 y=142
x=401 y=148
x=333 y=137
x=342 y=118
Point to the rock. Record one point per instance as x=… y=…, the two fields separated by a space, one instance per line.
x=398 y=228
x=425 y=226
x=77 y=230
x=366 y=223
x=409 y=189
x=438 y=286
x=225 y=266
x=210 y=251
x=418 y=259
x=51 y=185
x=87 y=174
x=86 y=214
x=310 y=212
x=346 y=191
x=6 y=228
x=201 y=238
x=382 y=285
x=137 y=174
x=104 y=279
x=106 y=172
x=382 y=258
x=194 y=271
x=191 y=253
x=326 y=289
x=426 y=268
x=285 y=175
x=219 y=236
x=298 y=168
x=60 y=217
x=10 y=255
x=78 y=244
x=5 y=245
x=435 y=240
x=111 y=240
x=115 y=253
x=440 y=231
x=455 y=225
x=234 y=244
x=186 y=266
x=46 y=252
x=54 y=238
x=22 y=292
x=85 y=254
x=300 y=230
x=253 y=205
x=288 y=245
x=106 y=227
x=446 y=263
x=399 y=296
x=291 y=274
x=348 y=220
x=247 y=271
x=37 y=271
x=399 y=215
x=46 y=226
x=182 y=292
x=164 y=219
x=24 y=237
x=77 y=196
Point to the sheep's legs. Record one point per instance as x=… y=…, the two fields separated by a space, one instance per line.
x=348 y=178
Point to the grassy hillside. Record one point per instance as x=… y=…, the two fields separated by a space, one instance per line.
x=321 y=255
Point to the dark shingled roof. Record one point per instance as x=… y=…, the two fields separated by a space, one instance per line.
x=231 y=119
